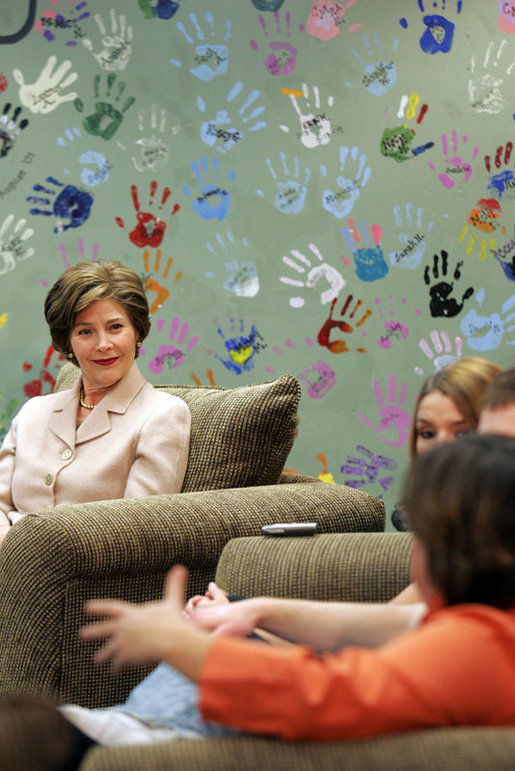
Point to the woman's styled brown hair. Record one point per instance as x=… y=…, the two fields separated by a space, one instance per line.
x=85 y=283
x=459 y=498
x=463 y=381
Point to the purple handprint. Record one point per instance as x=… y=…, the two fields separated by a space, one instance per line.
x=368 y=468
x=394 y=422
x=320 y=379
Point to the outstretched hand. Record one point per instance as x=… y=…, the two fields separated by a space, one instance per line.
x=139 y=634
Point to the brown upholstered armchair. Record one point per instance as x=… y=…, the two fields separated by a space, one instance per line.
x=348 y=567
x=52 y=561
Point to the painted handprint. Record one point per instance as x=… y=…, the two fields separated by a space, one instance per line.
x=484 y=85
x=369 y=260
x=439 y=33
x=152 y=279
x=81 y=254
x=53 y=20
x=507 y=16
x=213 y=202
x=340 y=345
x=267 y=5
x=368 y=466
x=154 y=151
x=320 y=378
x=486 y=245
x=441 y=302
x=116 y=48
x=394 y=423
x=455 y=163
x=505 y=256
x=412 y=233
x=439 y=350
x=504 y=180
x=283 y=58
x=379 y=75
x=45 y=382
x=10 y=128
x=107 y=118
x=158 y=9
x=243 y=279
x=315 y=125
x=46 y=93
x=13 y=247
x=311 y=274
x=71 y=206
x=485 y=333
x=150 y=228
x=210 y=59
x=341 y=202
x=396 y=142
x=291 y=194
x=394 y=331
x=220 y=132
x=327 y=18
x=172 y=354
x=241 y=348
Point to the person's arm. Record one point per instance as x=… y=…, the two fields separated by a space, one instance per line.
x=162 y=450
x=408 y=596
x=7 y=460
x=324 y=626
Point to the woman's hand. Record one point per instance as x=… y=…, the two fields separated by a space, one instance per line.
x=214 y=596
x=237 y=619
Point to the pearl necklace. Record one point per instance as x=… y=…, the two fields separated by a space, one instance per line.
x=82 y=401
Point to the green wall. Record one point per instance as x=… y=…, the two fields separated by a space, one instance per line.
x=318 y=188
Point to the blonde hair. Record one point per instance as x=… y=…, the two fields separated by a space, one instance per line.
x=85 y=283
x=463 y=381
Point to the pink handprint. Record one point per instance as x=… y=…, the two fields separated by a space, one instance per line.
x=455 y=164
x=172 y=354
x=394 y=423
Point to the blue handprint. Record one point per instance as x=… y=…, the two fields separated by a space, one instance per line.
x=486 y=332
x=214 y=201
x=380 y=75
x=71 y=204
x=414 y=240
x=210 y=60
x=439 y=32
x=162 y=9
x=241 y=348
x=342 y=202
x=370 y=262
x=219 y=132
x=291 y=194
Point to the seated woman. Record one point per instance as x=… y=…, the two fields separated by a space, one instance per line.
x=456 y=668
x=113 y=435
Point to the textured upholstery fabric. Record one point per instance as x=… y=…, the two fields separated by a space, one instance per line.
x=240 y=437
x=364 y=566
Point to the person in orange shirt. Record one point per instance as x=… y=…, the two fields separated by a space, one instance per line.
x=456 y=668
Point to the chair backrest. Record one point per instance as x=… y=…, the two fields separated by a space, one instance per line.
x=240 y=437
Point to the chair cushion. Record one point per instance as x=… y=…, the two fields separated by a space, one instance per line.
x=240 y=437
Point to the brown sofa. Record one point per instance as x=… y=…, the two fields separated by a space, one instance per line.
x=52 y=561
x=369 y=567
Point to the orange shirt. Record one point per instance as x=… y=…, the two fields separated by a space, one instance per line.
x=456 y=669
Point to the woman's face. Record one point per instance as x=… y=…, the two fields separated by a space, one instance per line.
x=103 y=340
x=438 y=420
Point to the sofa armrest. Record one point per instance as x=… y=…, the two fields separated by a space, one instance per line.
x=450 y=748
x=53 y=561
x=345 y=567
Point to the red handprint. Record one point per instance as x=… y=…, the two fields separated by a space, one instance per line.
x=150 y=229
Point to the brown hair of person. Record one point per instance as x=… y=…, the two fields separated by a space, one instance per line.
x=85 y=283
x=463 y=381
x=500 y=392
x=459 y=498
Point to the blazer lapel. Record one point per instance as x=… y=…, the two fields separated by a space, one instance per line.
x=64 y=417
x=117 y=400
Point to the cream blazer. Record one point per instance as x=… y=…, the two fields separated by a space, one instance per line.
x=134 y=443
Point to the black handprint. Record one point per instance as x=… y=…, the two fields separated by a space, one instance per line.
x=441 y=304
x=10 y=128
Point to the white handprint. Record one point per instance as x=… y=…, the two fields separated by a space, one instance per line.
x=413 y=240
x=115 y=54
x=45 y=94
x=302 y=265
x=153 y=149
x=315 y=126
x=484 y=89
x=12 y=244
x=485 y=333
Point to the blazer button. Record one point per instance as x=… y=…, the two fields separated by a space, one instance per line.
x=49 y=479
x=66 y=454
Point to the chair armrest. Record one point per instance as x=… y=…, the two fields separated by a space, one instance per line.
x=345 y=567
x=53 y=561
